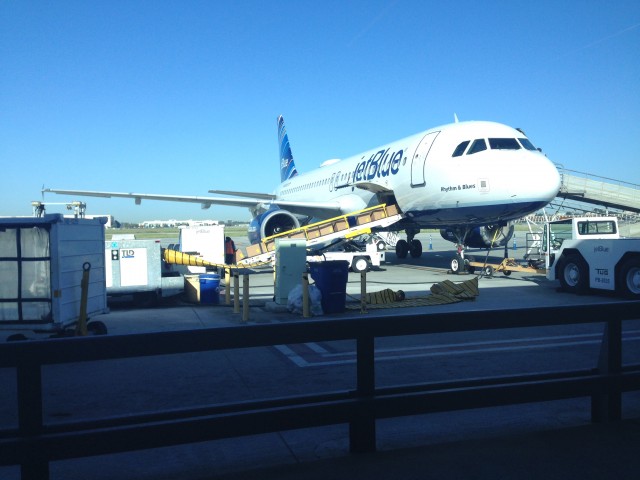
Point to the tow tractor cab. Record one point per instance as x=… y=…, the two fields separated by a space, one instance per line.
x=588 y=252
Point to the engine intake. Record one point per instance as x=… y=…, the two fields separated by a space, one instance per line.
x=271 y=223
x=480 y=237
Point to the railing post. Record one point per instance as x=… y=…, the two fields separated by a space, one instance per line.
x=245 y=298
x=306 y=310
x=29 y=383
x=363 y=292
x=362 y=428
x=227 y=286
x=236 y=292
x=607 y=406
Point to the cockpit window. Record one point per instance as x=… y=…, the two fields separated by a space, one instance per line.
x=460 y=148
x=504 y=144
x=527 y=144
x=477 y=146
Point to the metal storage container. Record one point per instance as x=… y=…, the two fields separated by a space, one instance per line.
x=41 y=269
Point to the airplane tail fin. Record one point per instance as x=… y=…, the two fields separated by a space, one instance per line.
x=287 y=167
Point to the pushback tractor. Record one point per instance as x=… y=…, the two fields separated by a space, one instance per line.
x=588 y=253
x=582 y=253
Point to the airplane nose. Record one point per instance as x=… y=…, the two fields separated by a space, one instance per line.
x=549 y=179
x=541 y=181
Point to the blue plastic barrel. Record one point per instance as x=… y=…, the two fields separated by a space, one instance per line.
x=209 y=283
x=331 y=278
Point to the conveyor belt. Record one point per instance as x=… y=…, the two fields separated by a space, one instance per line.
x=344 y=226
x=350 y=225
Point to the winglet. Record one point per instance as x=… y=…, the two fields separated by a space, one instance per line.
x=287 y=167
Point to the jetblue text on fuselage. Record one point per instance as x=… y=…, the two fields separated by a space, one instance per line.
x=381 y=164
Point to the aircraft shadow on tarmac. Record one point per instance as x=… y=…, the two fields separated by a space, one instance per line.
x=442 y=259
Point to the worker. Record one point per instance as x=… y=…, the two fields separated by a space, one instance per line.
x=229 y=251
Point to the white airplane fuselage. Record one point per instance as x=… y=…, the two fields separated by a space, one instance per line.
x=467 y=178
x=432 y=187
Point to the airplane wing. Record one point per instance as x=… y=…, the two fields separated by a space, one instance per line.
x=313 y=209
x=205 y=202
x=264 y=196
x=301 y=208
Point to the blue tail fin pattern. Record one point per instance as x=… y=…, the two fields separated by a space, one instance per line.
x=287 y=167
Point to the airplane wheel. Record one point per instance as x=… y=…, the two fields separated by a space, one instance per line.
x=457 y=265
x=402 y=248
x=415 y=248
x=467 y=261
x=628 y=283
x=573 y=274
x=360 y=264
x=97 y=328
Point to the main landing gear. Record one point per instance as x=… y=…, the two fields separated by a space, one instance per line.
x=409 y=246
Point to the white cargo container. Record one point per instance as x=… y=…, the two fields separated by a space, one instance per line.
x=135 y=267
x=205 y=242
x=41 y=269
x=291 y=262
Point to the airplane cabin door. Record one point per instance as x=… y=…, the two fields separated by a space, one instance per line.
x=419 y=159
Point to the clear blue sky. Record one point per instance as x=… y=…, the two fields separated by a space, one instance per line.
x=180 y=97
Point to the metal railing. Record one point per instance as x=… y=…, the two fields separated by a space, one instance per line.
x=33 y=444
x=598 y=190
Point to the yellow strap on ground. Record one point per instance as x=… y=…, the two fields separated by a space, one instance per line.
x=385 y=296
x=463 y=291
x=441 y=294
x=448 y=292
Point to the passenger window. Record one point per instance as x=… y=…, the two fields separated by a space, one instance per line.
x=460 y=149
x=477 y=146
x=504 y=144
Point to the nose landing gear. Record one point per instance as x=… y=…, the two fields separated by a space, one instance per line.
x=461 y=263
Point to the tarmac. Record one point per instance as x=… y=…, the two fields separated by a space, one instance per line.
x=458 y=448
x=523 y=441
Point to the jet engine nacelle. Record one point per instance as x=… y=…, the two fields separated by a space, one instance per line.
x=270 y=223
x=480 y=237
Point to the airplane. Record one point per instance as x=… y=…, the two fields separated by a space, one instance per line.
x=469 y=179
